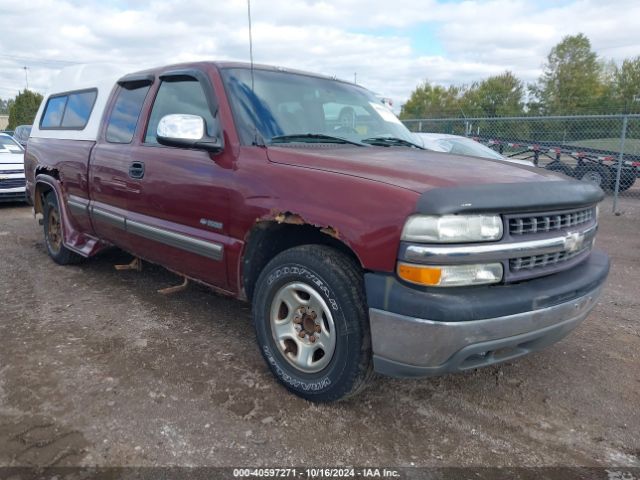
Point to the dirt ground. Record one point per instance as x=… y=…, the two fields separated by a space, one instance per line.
x=96 y=368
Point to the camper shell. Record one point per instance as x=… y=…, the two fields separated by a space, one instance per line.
x=91 y=78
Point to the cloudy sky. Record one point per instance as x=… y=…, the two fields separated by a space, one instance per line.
x=392 y=45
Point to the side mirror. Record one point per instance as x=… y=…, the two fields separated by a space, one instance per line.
x=187 y=131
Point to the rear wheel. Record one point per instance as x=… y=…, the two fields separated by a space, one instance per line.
x=53 y=233
x=597 y=174
x=311 y=321
x=627 y=179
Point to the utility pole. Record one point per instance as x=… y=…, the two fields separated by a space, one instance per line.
x=355 y=77
x=26 y=76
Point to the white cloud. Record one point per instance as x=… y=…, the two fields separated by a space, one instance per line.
x=370 y=37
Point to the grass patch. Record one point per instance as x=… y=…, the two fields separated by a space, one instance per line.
x=631 y=145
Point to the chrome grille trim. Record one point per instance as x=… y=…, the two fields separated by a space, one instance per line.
x=546 y=260
x=457 y=254
x=532 y=223
x=12 y=182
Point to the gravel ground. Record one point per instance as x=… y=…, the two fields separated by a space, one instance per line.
x=96 y=368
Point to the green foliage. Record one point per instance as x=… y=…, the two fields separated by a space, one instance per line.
x=432 y=100
x=4 y=106
x=572 y=80
x=626 y=85
x=499 y=95
x=24 y=108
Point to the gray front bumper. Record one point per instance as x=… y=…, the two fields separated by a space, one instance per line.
x=405 y=346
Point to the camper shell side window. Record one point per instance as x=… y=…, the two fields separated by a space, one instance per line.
x=68 y=111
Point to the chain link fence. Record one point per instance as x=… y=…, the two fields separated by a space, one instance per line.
x=604 y=149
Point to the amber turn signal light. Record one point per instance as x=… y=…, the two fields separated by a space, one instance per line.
x=419 y=274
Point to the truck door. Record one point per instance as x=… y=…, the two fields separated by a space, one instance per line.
x=178 y=204
x=111 y=163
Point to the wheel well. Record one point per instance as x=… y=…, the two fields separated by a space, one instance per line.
x=43 y=188
x=269 y=238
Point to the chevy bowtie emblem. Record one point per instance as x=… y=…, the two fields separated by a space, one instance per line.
x=573 y=242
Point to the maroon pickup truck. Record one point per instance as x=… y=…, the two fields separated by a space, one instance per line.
x=359 y=250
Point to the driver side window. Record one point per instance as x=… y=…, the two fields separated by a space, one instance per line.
x=180 y=95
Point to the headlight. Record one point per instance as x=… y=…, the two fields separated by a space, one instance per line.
x=452 y=228
x=450 y=275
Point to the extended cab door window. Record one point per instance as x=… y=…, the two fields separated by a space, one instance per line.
x=126 y=111
x=179 y=95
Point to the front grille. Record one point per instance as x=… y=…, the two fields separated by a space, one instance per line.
x=530 y=224
x=547 y=260
x=12 y=182
x=9 y=172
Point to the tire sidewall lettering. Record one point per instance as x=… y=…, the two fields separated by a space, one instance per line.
x=311 y=277
x=294 y=382
x=285 y=373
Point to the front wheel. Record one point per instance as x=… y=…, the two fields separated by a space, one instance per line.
x=310 y=315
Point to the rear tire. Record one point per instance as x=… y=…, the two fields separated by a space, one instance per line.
x=311 y=321
x=53 y=238
x=627 y=179
x=597 y=174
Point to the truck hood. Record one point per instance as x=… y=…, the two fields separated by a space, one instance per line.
x=417 y=170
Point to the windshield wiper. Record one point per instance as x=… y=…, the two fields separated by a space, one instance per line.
x=314 y=138
x=391 y=142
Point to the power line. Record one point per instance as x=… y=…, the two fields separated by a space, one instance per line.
x=39 y=60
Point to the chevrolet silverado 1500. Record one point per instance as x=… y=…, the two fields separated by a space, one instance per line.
x=359 y=250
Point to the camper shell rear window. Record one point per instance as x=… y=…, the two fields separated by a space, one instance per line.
x=68 y=111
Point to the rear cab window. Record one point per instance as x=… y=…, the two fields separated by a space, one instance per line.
x=68 y=111
x=124 y=117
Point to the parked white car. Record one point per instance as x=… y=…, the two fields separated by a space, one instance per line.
x=12 y=180
x=442 y=142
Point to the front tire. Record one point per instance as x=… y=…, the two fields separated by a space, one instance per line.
x=53 y=233
x=311 y=321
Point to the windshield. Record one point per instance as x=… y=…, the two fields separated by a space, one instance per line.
x=466 y=146
x=283 y=104
x=9 y=145
x=22 y=132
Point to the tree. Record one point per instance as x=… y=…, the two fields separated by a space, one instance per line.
x=428 y=101
x=626 y=85
x=4 y=106
x=572 y=79
x=24 y=108
x=499 y=95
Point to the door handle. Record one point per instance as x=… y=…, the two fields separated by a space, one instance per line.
x=136 y=170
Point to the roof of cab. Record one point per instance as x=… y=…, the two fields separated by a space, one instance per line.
x=103 y=77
